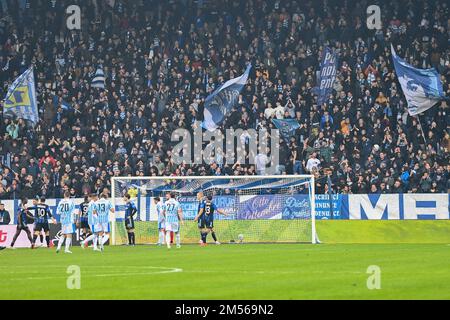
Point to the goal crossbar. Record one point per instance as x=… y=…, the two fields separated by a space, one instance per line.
x=203 y=183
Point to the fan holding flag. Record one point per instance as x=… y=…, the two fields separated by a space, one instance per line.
x=422 y=87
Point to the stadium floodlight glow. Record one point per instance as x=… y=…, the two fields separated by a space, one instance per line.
x=261 y=209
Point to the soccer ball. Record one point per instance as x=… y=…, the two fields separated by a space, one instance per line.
x=241 y=237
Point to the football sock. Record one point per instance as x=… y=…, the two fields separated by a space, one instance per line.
x=90 y=238
x=61 y=241
x=177 y=238
x=133 y=237
x=68 y=242
x=15 y=238
x=129 y=237
x=105 y=238
x=168 y=239
x=95 y=241
x=29 y=236
x=213 y=234
x=47 y=238
x=41 y=238
x=34 y=238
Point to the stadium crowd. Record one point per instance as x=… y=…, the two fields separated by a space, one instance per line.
x=161 y=59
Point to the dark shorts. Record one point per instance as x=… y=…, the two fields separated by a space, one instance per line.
x=84 y=224
x=41 y=226
x=129 y=224
x=22 y=227
x=206 y=222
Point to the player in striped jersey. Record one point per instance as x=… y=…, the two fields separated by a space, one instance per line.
x=93 y=223
x=173 y=216
x=66 y=211
x=161 y=220
x=104 y=208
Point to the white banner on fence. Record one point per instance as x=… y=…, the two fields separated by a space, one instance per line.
x=410 y=206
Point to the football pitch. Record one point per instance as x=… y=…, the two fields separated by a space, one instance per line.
x=231 y=271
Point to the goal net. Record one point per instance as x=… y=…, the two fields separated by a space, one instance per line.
x=260 y=209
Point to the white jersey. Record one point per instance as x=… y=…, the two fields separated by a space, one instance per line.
x=92 y=215
x=103 y=207
x=160 y=211
x=171 y=208
x=66 y=211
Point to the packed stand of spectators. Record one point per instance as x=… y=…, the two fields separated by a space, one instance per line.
x=161 y=59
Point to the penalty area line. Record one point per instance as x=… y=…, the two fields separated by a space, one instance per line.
x=105 y=275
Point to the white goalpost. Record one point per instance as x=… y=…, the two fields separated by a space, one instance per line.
x=260 y=209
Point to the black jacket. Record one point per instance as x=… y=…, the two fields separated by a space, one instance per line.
x=4 y=217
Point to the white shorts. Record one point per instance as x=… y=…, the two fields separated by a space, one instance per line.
x=68 y=228
x=105 y=226
x=100 y=227
x=172 y=226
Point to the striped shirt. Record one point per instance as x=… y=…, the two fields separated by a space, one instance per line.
x=66 y=210
x=160 y=210
x=172 y=206
x=92 y=216
x=103 y=208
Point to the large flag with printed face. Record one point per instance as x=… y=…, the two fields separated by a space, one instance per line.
x=99 y=79
x=422 y=87
x=219 y=103
x=287 y=127
x=20 y=101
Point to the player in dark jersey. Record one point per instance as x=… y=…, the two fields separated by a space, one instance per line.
x=130 y=212
x=201 y=206
x=41 y=215
x=206 y=219
x=83 y=223
x=22 y=217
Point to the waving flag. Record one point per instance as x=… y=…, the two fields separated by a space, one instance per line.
x=99 y=79
x=20 y=101
x=287 y=127
x=219 y=103
x=422 y=87
x=60 y=102
x=327 y=75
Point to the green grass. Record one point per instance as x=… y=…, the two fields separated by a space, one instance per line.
x=284 y=271
x=384 y=231
x=414 y=258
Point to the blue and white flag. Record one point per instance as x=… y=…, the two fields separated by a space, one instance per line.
x=287 y=127
x=63 y=104
x=99 y=79
x=422 y=87
x=219 y=103
x=20 y=101
x=327 y=75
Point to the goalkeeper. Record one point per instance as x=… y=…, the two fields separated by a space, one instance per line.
x=130 y=212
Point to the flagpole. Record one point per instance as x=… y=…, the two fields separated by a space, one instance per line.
x=421 y=130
